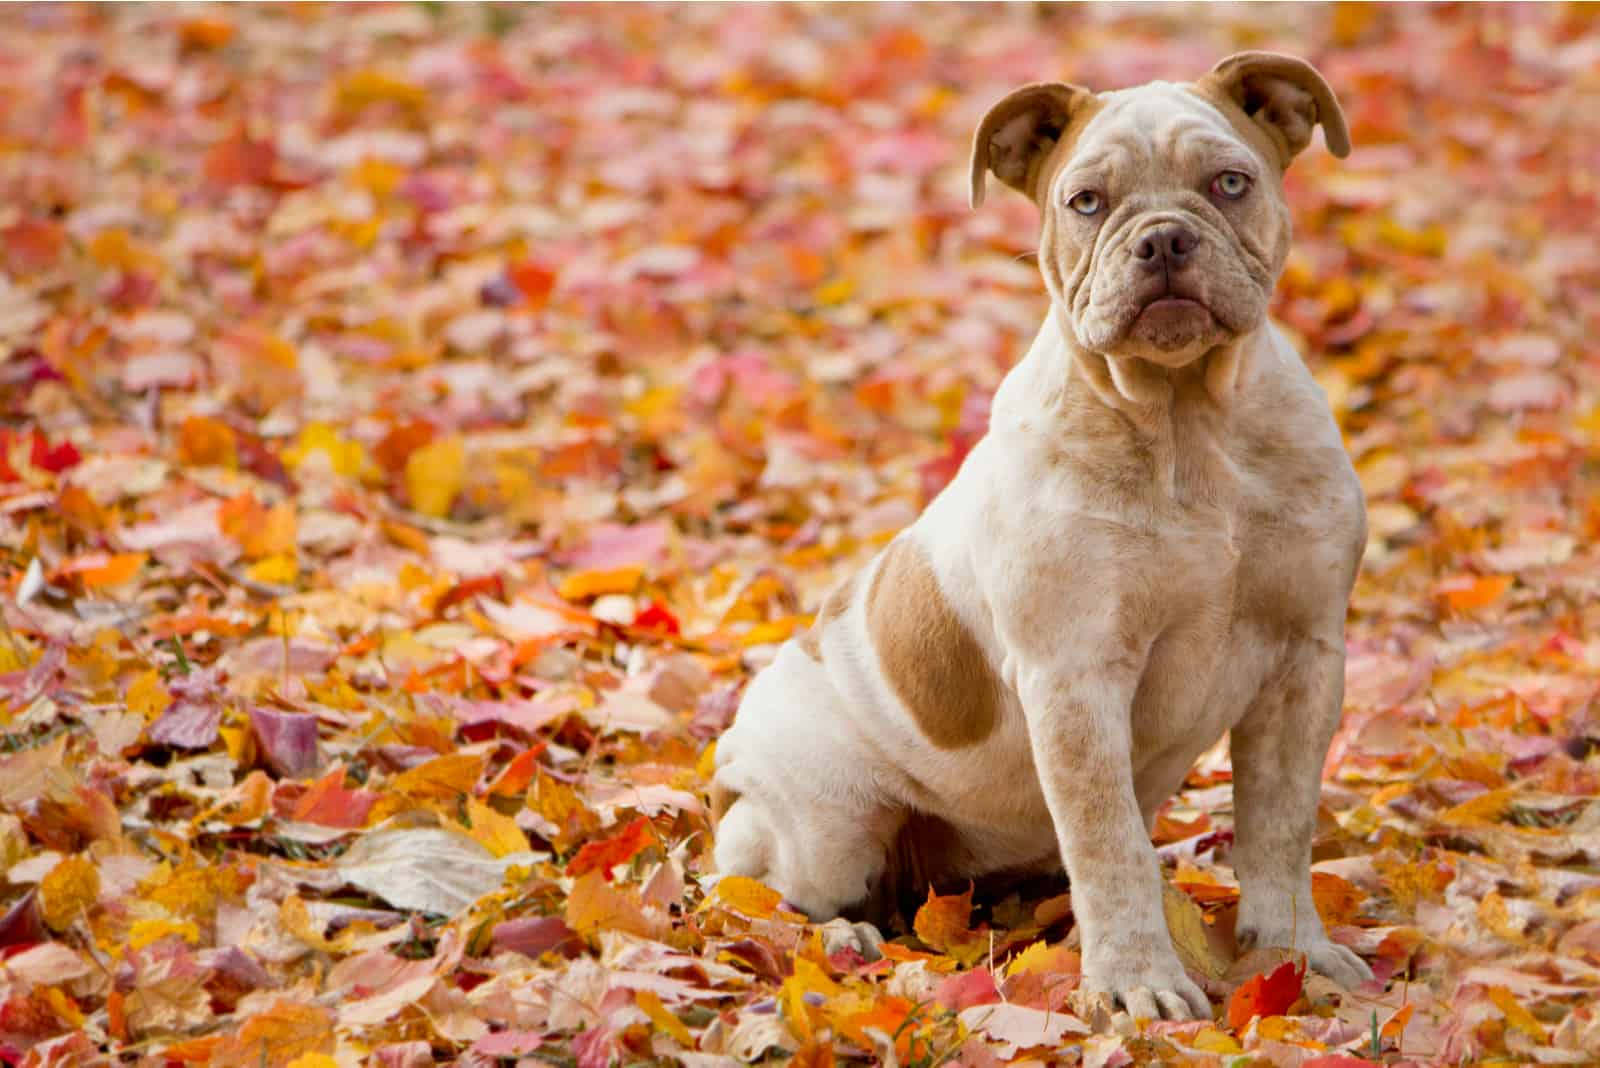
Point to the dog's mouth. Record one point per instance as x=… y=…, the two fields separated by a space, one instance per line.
x=1172 y=319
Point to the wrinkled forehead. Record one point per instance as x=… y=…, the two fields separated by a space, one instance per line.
x=1158 y=124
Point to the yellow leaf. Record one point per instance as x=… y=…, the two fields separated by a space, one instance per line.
x=1212 y=1040
x=68 y=891
x=343 y=456
x=498 y=833
x=360 y=88
x=279 y=570
x=376 y=176
x=1497 y=917
x=771 y=631
x=1482 y=811
x=746 y=895
x=148 y=932
x=313 y=1060
x=1187 y=925
x=435 y=473
x=582 y=585
x=1043 y=959
x=444 y=777
x=650 y=1003
x=296 y=919
x=1517 y=1017
x=595 y=905
x=147 y=696
x=835 y=292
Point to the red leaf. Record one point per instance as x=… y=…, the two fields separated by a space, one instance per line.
x=534 y=280
x=657 y=617
x=602 y=856
x=1266 y=995
x=329 y=804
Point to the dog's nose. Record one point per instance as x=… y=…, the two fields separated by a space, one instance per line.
x=1167 y=244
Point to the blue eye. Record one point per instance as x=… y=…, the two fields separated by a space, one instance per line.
x=1087 y=202
x=1230 y=185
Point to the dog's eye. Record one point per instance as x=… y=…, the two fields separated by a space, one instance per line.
x=1085 y=203
x=1230 y=185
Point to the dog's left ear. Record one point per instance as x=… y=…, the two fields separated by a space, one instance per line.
x=1285 y=96
x=1016 y=135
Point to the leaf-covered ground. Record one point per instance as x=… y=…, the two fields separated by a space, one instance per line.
x=419 y=421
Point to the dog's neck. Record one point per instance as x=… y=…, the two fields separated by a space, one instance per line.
x=1148 y=393
x=1057 y=369
x=1177 y=413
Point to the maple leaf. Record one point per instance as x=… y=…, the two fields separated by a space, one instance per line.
x=620 y=848
x=1266 y=994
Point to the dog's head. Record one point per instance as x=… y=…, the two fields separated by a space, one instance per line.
x=1163 y=221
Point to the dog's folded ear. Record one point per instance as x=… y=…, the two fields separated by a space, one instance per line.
x=1283 y=95
x=1016 y=135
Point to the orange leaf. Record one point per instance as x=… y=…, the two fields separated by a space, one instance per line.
x=1395 y=1025
x=205 y=32
x=1266 y=995
x=206 y=442
x=595 y=905
x=516 y=776
x=1466 y=593
x=98 y=570
x=606 y=854
x=1338 y=900
x=582 y=585
x=941 y=922
x=286 y=1031
x=1517 y=1017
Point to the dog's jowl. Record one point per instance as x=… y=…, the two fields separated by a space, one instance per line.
x=1153 y=545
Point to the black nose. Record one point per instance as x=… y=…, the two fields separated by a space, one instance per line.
x=1167 y=244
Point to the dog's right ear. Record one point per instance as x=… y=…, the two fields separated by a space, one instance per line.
x=1016 y=135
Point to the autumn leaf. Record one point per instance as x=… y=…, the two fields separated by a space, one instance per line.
x=747 y=896
x=620 y=848
x=1269 y=994
x=434 y=474
x=284 y=1032
x=68 y=891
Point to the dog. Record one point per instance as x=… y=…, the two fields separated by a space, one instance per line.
x=1153 y=545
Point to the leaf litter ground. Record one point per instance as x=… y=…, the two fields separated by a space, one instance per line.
x=419 y=422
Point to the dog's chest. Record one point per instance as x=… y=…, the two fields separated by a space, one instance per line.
x=1257 y=543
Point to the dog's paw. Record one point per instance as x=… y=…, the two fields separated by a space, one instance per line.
x=1323 y=955
x=1155 y=992
x=1339 y=963
x=840 y=934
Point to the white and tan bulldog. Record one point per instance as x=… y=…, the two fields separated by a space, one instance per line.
x=1153 y=545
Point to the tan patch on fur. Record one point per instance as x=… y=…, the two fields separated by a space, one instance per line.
x=722 y=799
x=929 y=657
x=833 y=606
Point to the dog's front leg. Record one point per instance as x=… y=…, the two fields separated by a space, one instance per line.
x=1079 y=728
x=1278 y=750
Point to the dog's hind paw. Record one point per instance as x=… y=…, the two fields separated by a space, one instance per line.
x=840 y=934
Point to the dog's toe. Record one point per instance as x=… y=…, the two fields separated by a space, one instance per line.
x=1340 y=964
x=840 y=934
